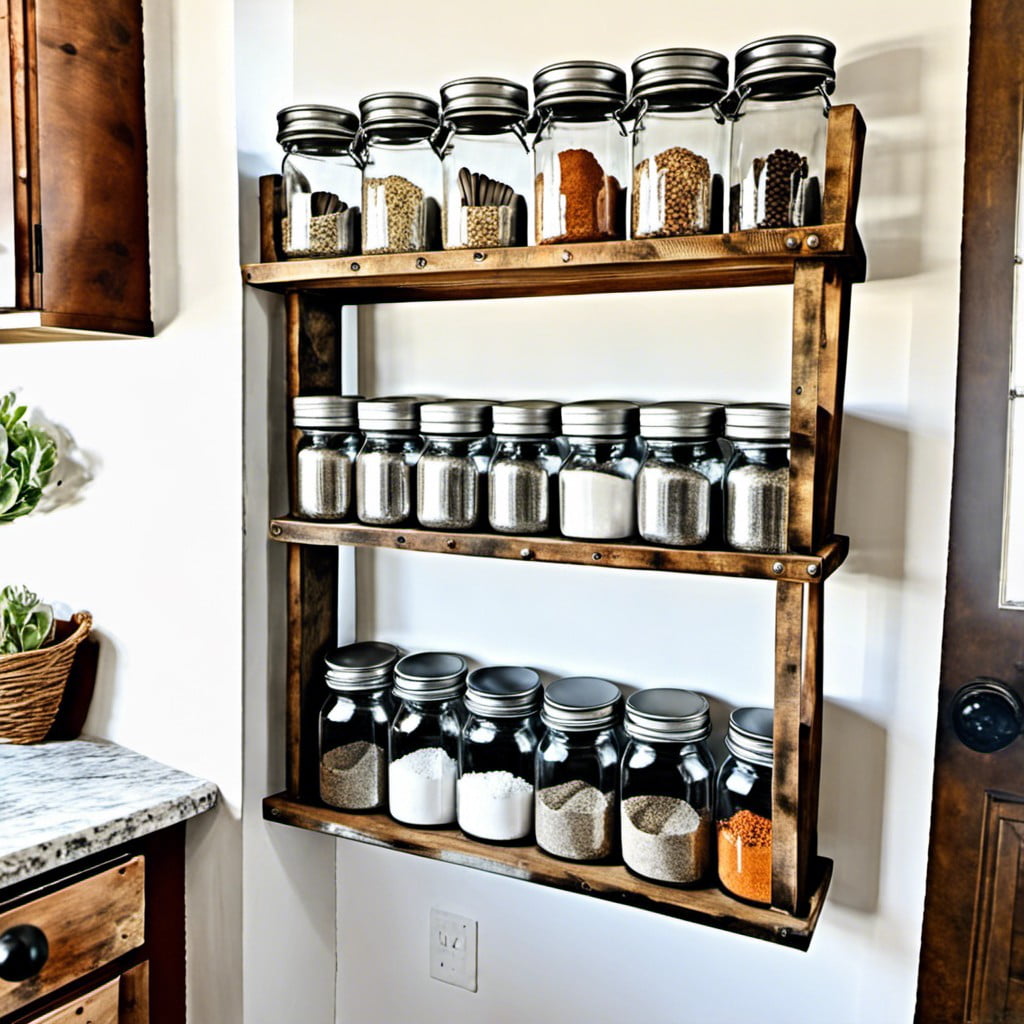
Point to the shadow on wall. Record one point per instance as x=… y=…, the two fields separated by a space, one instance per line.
x=75 y=467
x=100 y=717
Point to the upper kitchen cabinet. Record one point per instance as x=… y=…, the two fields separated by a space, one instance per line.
x=74 y=222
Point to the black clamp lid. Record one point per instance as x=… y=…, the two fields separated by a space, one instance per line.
x=786 y=67
x=399 y=116
x=314 y=123
x=484 y=105
x=578 y=87
x=680 y=78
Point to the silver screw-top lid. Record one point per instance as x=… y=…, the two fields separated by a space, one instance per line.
x=757 y=421
x=579 y=87
x=609 y=418
x=396 y=412
x=484 y=105
x=526 y=419
x=315 y=124
x=398 y=116
x=503 y=691
x=668 y=715
x=785 y=67
x=362 y=666
x=581 y=703
x=680 y=79
x=668 y=421
x=325 y=412
x=456 y=416
x=750 y=735
x=430 y=675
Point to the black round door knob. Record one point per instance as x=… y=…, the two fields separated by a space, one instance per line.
x=987 y=715
x=23 y=952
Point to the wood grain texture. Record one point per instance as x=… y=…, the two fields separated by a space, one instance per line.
x=270 y=188
x=101 y=1006
x=844 y=151
x=22 y=44
x=133 y=1007
x=164 y=983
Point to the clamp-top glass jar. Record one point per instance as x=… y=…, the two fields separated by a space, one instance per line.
x=354 y=726
x=578 y=768
x=401 y=173
x=667 y=786
x=321 y=179
x=497 y=753
x=486 y=163
x=680 y=143
x=384 y=466
x=579 y=152
x=323 y=464
x=780 y=105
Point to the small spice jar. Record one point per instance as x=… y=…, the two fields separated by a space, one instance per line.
x=522 y=480
x=384 y=466
x=680 y=143
x=595 y=485
x=667 y=786
x=744 y=806
x=327 y=451
x=578 y=768
x=354 y=726
x=779 y=105
x=321 y=181
x=496 y=753
x=485 y=159
x=757 y=477
x=579 y=152
x=401 y=173
x=423 y=741
x=679 y=486
x=450 y=473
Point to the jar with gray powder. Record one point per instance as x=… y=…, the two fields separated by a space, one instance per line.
x=385 y=478
x=326 y=455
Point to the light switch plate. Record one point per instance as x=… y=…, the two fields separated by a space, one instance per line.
x=453 y=949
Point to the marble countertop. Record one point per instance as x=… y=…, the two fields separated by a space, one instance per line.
x=63 y=801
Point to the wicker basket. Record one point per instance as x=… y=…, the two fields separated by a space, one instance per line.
x=32 y=683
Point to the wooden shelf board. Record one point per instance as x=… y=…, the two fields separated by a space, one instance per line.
x=602 y=881
x=795 y=568
x=32 y=325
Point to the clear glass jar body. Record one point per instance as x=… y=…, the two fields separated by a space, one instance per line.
x=522 y=484
x=450 y=481
x=323 y=474
x=577 y=792
x=354 y=749
x=401 y=186
x=579 y=181
x=384 y=477
x=680 y=164
x=596 y=490
x=666 y=811
x=423 y=752
x=743 y=810
x=757 y=496
x=679 y=492
x=777 y=169
x=321 y=188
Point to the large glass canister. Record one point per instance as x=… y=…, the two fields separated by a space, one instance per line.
x=326 y=454
x=401 y=173
x=424 y=738
x=779 y=107
x=679 y=486
x=757 y=478
x=578 y=769
x=321 y=181
x=668 y=786
x=354 y=726
x=744 y=806
x=486 y=163
x=522 y=481
x=497 y=752
x=385 y=475
x=579 y=153
x=680 y=143
x=595 y=485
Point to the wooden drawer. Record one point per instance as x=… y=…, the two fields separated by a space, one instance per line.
x=101 y=1006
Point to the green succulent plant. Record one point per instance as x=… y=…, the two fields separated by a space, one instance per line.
x=27 y=457
x=25 y=623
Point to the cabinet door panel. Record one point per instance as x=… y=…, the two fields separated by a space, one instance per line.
x=98 y=1007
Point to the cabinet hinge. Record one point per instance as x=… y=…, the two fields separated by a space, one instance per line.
x=37 y=246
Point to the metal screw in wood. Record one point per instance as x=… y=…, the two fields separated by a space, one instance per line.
x=813 y=241
x=812 y=570
x=450 y=545
x=353 y=266
x=421 y=263
x=525 y=553
x=792 y=242
x=777 y=568
x=479 y=257
x=566 y=256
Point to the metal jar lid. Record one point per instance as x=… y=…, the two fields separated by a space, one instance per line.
x=397 y=412
x=581 y=704
x=579 y=87
x=306 y=122
x=430 y=675
x=484 y=105
x=668 y=421
x=786 y=67
x=503 y=691
x=680 y=79
x=362 y=666
x=757 y=421
x=526 y=419
x=666 y=715
x=609 y=418
x=398 y=116
x=455 y=416
x=322 y=412
x=750 y=735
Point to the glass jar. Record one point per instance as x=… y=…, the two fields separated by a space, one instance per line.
x=595 y=485
x=401 y=173
x=485 y=161
x=757 y=478
x=497 y=752
x=579 y=153
x=321 y=181
x=779 y=106
x=679 y=486
x=450 y=478
x=326 y=453
x=423 y=742
x=680 y=143
x=744 y=806
x=354 y=726
x=667 y=786
x=384 y=466
x=578 y=769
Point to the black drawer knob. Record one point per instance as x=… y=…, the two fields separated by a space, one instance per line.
x=23 y=952
x=987 y=715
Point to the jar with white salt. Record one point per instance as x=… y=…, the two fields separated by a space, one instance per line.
x=423 y=740
x=496 y=753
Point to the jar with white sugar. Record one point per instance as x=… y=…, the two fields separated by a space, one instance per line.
x=424 y=738
x=385 y=477
x=326 y=454
x=496 y=753
x=595 y=486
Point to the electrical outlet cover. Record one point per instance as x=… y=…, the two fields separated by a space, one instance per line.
x=453 y=949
